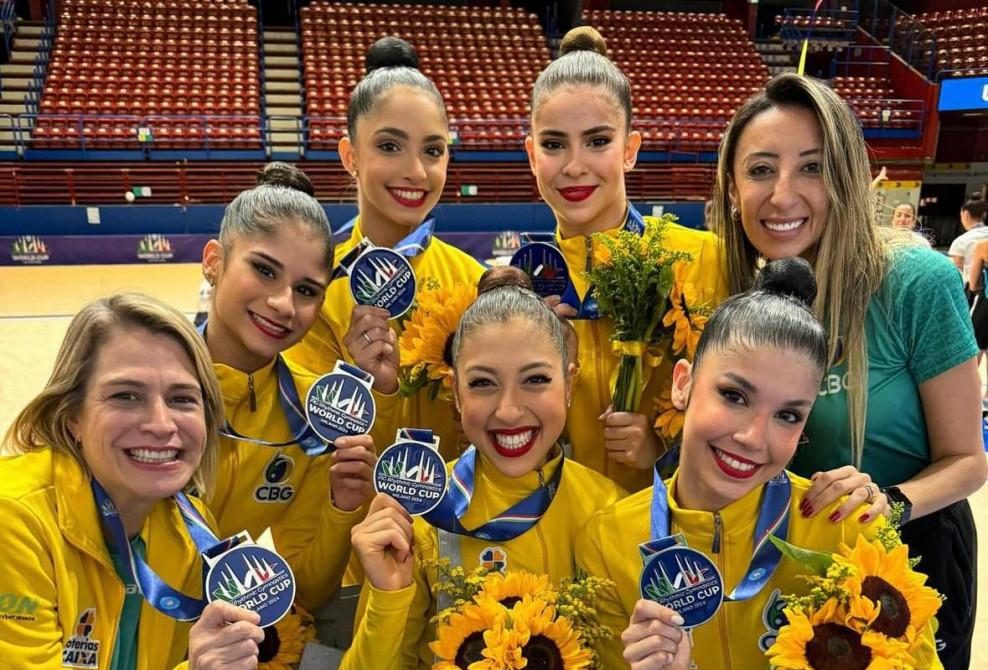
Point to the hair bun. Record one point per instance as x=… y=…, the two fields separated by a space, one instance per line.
x=583 y=38
x=390 y=52
x=789 y=276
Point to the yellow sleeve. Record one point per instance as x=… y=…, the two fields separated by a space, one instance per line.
x=610 y=611
x=377 y=640
x=386 y=420
x=314 y=537
x=318 y=350
x=30 y=633
x=420 y=609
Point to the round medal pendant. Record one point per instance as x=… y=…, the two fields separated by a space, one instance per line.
x=339 y=404
x=254 y=578
x=413 y=473
x=383 y=278
x=545 y=266
x=685 y=580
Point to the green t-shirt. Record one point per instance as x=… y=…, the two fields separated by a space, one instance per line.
x=917 y=327
x=125 y=651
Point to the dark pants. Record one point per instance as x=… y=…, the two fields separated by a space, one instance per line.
x=948 y=544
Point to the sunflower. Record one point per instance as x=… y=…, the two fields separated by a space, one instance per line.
x=462 y=638
x=508 y=589
x=828 y=639
x=285 y=641
x=425 y=344
x=903 y=603
x=547 y=641
x=670 y=420
x=687 y=325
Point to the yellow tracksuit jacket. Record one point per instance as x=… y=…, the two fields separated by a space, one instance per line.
x=60 y=596
x=323 y=344
x=260 y=487
x=546 y=548
x=592 y=392
x=738 y=636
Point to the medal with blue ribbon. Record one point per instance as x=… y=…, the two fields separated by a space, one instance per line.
x=252 y=576
x=161 y=596
x=291 y=406
x=685 y=580
x=341 y=403
x=384 y=277
x=507 y=525
x=545 y=265
x=412 y=472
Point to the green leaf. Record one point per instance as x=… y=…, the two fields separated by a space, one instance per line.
x=815 y=561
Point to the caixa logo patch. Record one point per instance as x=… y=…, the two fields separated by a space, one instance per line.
x=81 y=650
x=274 y=489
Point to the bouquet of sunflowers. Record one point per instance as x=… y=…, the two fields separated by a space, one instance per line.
x=517 y=620
x=641 y=286
x=867 y=608
x=426 y=342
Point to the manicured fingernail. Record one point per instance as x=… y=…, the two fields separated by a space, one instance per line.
x=677 y=620
x=805 y=505
x=834 y=517
x=806 y=511
x=864 y=518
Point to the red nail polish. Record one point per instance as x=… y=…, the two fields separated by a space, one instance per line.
x=806 y=511
x=834 y=516
x=864 y=518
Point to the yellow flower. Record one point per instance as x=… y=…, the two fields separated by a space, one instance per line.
x=688 y=325
x=462 y=637
x=427 y=336
x=670 y=420
x=548 y=642
x=284 y=642
x=903 y=603
x=827 y=639
x=507 y=589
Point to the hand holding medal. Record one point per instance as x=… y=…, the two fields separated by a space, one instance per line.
x=223 y=637
x=383 y=543
x=655 y=638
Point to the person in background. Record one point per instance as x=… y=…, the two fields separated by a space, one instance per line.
x=973 y=221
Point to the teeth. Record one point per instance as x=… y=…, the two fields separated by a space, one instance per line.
x=733 y=462
x=153 y=455
x=516 y=441
x=408 y=195
x=785 y=226
x=268 y=324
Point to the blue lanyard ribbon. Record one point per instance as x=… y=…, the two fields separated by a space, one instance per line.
x=588 y=308
x=162 y=597
x=773 y=519
x=507 y=525
x=291 y=406
x=411 y=246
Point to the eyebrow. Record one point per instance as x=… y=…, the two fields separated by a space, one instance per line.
x=280 y=266
x=750 y=388
x=524 y=368
x=589 y=131
x=134 y=383
x=770 y=154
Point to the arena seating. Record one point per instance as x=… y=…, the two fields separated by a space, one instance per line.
x=487 y=77
x=960 y=36
x=186 y=72
x=688 y=72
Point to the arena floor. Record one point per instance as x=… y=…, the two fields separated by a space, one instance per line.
x=36 y=304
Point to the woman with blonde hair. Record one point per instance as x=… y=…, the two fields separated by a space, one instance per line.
x=101 y=542
x=898 y=402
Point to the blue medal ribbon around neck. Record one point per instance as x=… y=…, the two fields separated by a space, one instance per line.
x=588 y=308
x=291 y=406
x=773 y=519
x=162 y=597
x=507 y=525
x=411 y=246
